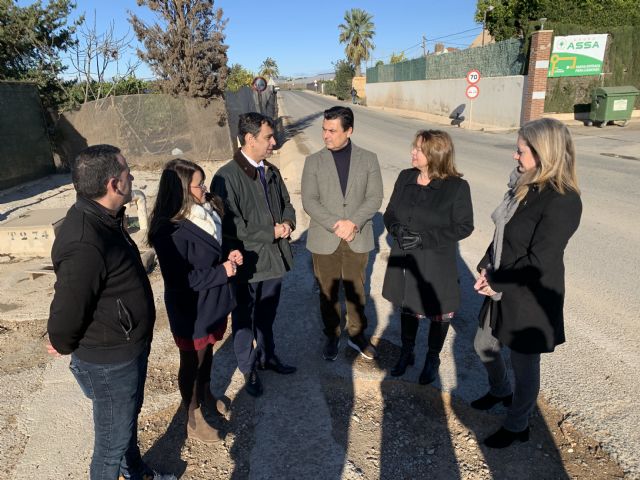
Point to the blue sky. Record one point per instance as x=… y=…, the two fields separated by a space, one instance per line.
x=303 y=36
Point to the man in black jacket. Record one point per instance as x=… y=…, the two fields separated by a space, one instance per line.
x=258 y=220
x=102 y=311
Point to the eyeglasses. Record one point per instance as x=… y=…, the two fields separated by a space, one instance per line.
x=522 y=152
x=201 y=186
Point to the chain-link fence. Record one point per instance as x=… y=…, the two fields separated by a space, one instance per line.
x=494 y=60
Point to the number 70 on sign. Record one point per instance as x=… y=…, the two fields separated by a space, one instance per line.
x=473 y=77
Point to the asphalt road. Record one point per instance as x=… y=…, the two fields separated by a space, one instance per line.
x=593 y=378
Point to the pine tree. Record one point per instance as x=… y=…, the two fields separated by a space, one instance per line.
x=186 y=50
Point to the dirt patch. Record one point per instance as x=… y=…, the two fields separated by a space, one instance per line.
x=22 y=346
x=386 y=429
x=397 y=429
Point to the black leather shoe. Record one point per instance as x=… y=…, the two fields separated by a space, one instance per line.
x=252 y=384
x=488 y=401
x=277 y=366
x=430 y=371
x=503 y=438
x=330 y=350
x=147 y=474
x=406 y=359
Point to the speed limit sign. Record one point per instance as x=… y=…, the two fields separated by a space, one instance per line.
x=472 y=92
x=473 y=77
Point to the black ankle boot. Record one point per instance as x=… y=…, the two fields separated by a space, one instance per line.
x=430 y=371
x=406 y=358
x=408 y=330
x=488 y=401
x=437 y=336
x=503 y=438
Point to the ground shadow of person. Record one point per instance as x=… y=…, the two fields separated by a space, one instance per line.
x=340 y=379
x=540 y=452
x=318 y=402
x=166 y=452
x=288 y=431
x=408 y=451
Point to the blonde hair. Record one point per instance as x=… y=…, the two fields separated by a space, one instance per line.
x=553 y=149
x=437 y=146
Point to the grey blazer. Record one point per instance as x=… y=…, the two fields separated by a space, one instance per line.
x=324 y=202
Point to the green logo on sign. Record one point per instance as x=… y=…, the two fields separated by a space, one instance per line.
x=581 y=45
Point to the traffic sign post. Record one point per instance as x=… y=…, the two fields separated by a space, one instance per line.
x=472 y=91
x=259 y=84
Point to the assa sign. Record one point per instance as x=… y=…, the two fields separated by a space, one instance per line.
x=581 y=45
x=577 y=55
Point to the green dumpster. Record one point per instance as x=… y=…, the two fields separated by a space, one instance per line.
x=609 y=104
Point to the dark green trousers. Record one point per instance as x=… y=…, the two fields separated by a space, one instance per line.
x=346 y=266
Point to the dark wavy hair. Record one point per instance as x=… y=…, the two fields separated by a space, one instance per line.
x=437 y=146
x=174 y=200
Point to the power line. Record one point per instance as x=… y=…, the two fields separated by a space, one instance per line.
x=400 y=51
x=429 y=40
x=453 y=34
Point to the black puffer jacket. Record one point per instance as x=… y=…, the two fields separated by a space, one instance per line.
x=102 y=307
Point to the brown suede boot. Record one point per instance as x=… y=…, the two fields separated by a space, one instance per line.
x=199 y=429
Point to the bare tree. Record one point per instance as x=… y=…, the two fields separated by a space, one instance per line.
x=186 y=50
x=95 y=53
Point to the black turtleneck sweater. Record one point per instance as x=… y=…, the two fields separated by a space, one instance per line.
x=342 y=158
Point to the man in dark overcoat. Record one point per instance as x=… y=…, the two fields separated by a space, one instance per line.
x=259 y=219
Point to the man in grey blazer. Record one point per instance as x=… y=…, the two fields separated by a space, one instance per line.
x=341 y=192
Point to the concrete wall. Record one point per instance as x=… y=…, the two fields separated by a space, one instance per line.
x=360 y=84
x=25 y=152
x=499 y=103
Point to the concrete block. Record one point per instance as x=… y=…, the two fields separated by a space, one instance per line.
x=31 y=234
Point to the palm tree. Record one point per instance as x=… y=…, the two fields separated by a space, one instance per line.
x=269 y=68
x=357 y=31
x=397 y=57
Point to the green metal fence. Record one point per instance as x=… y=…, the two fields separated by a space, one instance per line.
x=494 y=60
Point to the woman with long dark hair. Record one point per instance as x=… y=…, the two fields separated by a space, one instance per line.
x=186 y=232
x=429 y=212
x=522 y=273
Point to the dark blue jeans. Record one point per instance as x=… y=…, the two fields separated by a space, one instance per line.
x=253 y=319
x=117 y=393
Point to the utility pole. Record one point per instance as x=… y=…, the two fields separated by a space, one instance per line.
x=484 y=21
x=424 y=46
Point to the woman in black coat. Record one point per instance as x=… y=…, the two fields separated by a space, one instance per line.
x=186 y=232
x=522 y=273
x=429 y=212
